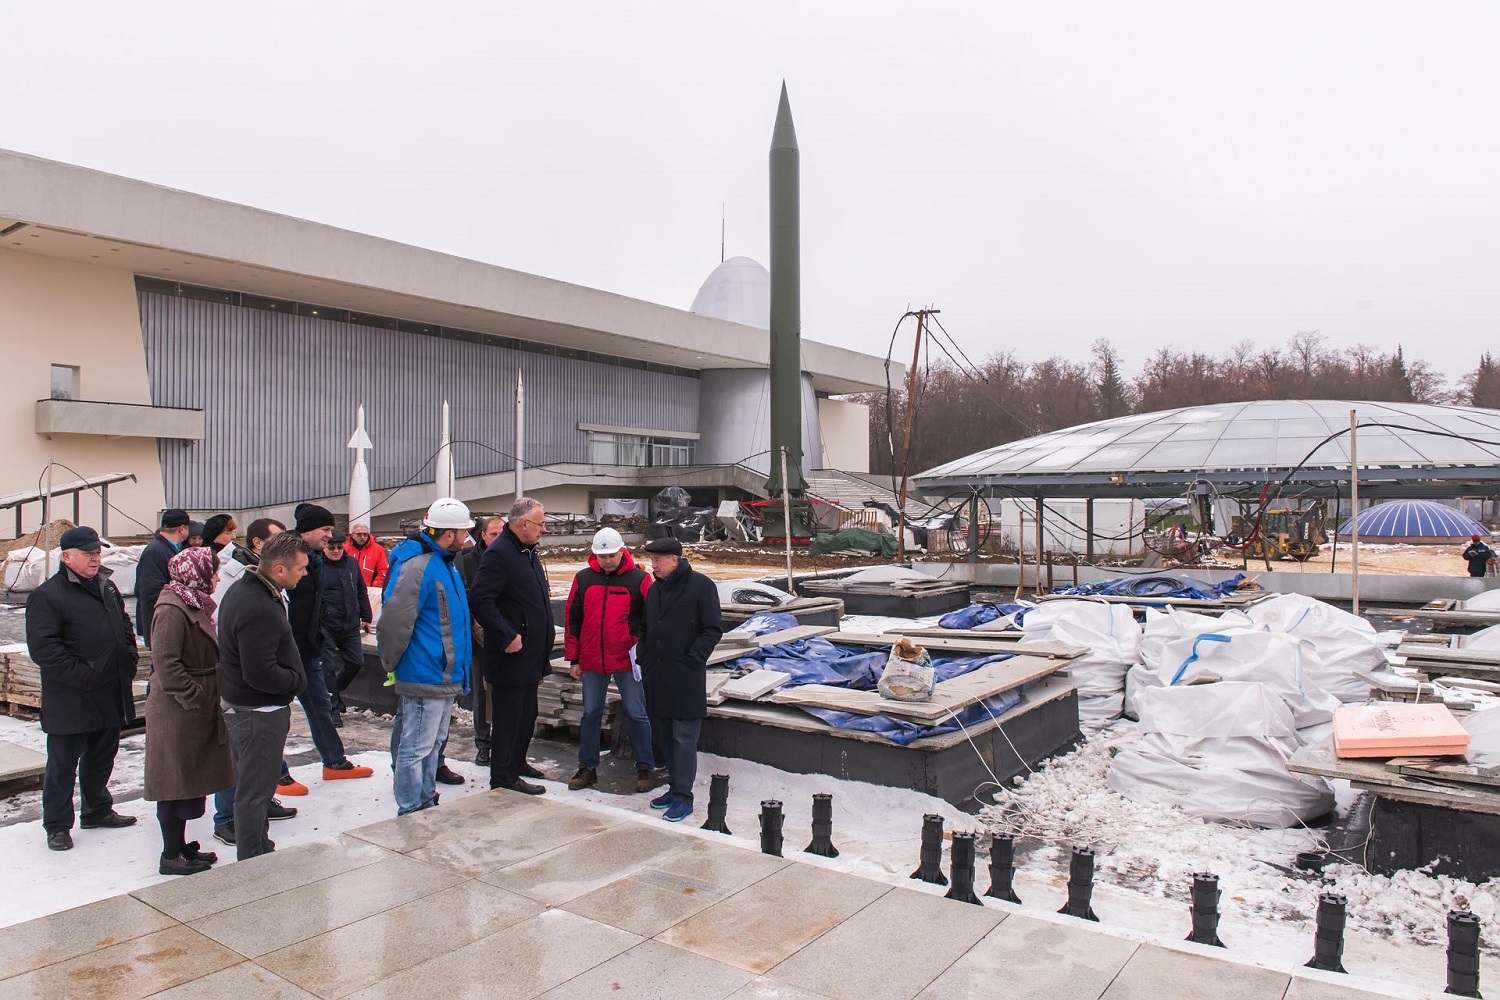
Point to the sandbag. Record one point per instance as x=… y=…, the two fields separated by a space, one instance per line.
x=1113 y=638
x=1219 y=751
x=1345 y=642
x=1288 y=666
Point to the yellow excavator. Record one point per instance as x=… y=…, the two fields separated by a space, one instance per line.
x=1292 y=531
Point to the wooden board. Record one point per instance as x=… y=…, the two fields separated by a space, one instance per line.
x=1221 y=603
x=938 y=632
x=726 y=652
x=965 y=642
x=1440 y=617
x=949 y=697
x=1375 y=776
x=1439 y=654
x=1479 y=769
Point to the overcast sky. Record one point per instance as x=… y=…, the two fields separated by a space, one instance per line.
x=1045 y=173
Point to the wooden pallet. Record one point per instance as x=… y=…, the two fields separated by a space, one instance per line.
x=948 y=698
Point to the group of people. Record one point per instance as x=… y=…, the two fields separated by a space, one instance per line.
x=237 y=632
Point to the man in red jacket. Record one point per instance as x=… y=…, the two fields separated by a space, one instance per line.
x=604 y=614
x=374 y=564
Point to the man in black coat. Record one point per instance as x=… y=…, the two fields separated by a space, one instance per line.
x=1478 y=555
x=151 y=571
x=79 y=635
x=682 y=626
x=512 y=602
x=487 y=531
x=346 y=610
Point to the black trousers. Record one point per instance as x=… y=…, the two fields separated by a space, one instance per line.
x=481 y=696
x=88 y=758
x=513 y=720
x=258 y=741
x=345 y=659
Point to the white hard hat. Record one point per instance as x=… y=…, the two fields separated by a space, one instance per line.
x=446 y=513
x=607 y=540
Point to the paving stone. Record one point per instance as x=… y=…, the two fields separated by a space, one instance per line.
x=458 y=818
x=195 y=896
x=521 y=961
x=587 y=864
x=513 y=838
x=860 y=958
x=262 y=926
x=246 y=981
x=1036 y=960
x=761 y=926
x=654 y=971
x=1315 y=989
x=130 y=970
x=363 y=953
x=762 y=988
x=61 y=936
x=1153 y=971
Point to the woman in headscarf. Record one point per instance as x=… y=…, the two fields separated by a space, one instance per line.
x=187 y=743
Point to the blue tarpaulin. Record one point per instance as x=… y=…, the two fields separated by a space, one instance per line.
x=1155 y=585
x=818 y=661
x=978 y=614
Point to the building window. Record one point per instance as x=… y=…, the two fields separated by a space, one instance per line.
x=64 y=381
x=637 y=450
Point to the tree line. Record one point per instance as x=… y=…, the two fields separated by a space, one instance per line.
x=963 y=407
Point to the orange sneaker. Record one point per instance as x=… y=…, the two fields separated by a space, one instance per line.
x=348 y=770
x=290 y=786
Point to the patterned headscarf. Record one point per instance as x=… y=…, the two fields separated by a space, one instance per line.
x=192 y=573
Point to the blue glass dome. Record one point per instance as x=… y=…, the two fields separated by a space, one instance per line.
x=1414 y=521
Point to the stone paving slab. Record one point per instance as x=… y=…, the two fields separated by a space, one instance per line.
x=503 y=895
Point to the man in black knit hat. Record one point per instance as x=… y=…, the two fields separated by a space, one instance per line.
x=305 y=612
x=151 y=570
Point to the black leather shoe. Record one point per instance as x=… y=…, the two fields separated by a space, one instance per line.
x=62 y=840
x=527 y=771
x=524 y=787
x=182 y=866
x=448 y=776
x=482 y=757
x=109 y=821
x=191 y=852
x=278 y=811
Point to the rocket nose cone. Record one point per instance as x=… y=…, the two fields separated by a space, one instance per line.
x=784 y=135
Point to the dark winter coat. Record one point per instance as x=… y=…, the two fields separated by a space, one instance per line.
x=187 y=749
x=305 y=609
x=150 y=577
x=682 y=626
x=468 y=569
x=1478 y=556
x=604 y=614
x=346 y=602
x=258 y=661
x=80 y=638
x=510 y=598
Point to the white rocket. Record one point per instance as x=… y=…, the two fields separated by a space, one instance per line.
x=442 y=466
x=520 y=435
x=359 y=479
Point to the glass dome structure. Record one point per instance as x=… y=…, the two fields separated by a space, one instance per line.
x=1404 y=450
x=1413 y=521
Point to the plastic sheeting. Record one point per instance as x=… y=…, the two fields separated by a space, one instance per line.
x=979 y=614
x=1219 y=751
x=854 y=540
x=1345 y=642
x=26 y=568
x=1155 y=585
x=1113 y=638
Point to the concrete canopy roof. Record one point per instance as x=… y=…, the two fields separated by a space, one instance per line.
x=1404 y=449
x=74 y=213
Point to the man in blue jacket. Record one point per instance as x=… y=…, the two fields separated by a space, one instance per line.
x=425 y=643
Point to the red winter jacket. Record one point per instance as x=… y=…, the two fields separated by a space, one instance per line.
x=374 y=564
x=604 y=615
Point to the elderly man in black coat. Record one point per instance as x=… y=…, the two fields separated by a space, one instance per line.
x=512 y=602
x=151 y=570
x=79 y=635
x=683 y=625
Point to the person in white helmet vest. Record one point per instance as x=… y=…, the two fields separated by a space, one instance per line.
x=604 y=612
x=425 y=643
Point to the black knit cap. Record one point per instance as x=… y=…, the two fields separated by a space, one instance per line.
x=174 y=517
x=311 y=517
x=214 y=527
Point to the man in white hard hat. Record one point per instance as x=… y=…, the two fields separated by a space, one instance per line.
x=604 y=613
x=425 y=644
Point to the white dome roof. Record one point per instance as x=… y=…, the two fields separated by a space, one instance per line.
x=738 y=290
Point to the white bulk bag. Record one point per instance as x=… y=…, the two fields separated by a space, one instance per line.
x=1219 y=751
x=1113 y=638
x=1345 y=642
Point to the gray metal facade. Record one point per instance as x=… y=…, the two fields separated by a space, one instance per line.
x=279 y=393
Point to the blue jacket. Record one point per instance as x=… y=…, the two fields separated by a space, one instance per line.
x=424 y=635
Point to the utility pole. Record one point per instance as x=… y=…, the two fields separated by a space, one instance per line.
x=911 y=409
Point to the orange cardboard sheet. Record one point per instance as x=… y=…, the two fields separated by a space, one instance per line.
x=1398 y=729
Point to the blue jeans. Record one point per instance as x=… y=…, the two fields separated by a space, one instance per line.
x=679 y=738
x=632 y=703
x=396 y=737
x=424 y=727
x=224 y=801
x=317 y=705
